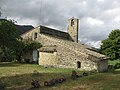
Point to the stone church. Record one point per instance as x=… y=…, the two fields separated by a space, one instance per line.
x=61 y=49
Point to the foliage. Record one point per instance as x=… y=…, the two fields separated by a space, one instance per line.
x=8 y=33
x=6 y=54
x=113 y=62
x=111 y=45
x=117 y=66
x=8 y=40
x=26 y=46
x=12 y=46
x=74 y=75
x=30 y=45
x=2 y=86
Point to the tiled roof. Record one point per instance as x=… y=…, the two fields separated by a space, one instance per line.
x=23 y=28
x=54 y=33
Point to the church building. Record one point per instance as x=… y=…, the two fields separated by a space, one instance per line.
x=61 y=49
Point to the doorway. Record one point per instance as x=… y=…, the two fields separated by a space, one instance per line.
x=78 y=64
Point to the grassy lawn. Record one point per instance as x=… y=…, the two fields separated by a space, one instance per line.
x=19 y=77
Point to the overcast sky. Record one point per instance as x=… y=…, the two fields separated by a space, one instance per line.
x=97 y=17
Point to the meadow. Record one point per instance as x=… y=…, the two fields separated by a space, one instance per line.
x=15 y=76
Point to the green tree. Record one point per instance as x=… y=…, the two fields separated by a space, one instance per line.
x=111 y=45
x=8 y=39
x=12 y=46
x=8 y=33
x=26 y=46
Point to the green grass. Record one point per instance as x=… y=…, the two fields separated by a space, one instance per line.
x=11 y=69
x=19 y=77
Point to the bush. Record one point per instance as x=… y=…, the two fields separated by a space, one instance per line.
x=85 y=74
x=2 y=87
x=117 y=66
x=74 y=75
x=111 y=68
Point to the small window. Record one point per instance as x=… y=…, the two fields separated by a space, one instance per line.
x=72 y=22
x=78 y=64
x=35 y=35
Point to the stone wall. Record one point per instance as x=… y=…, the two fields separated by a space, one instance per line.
x=68 y=53
x=31 y=34
x=73 y=28
x=103 y=65
x=47 y=58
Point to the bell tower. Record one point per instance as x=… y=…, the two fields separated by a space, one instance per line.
x=73 y=24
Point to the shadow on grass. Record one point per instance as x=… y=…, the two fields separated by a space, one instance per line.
x=116 y=72
x=8 y=64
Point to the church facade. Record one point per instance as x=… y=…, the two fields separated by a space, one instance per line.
x=61 y=49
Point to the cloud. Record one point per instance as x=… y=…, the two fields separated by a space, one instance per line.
x=117 y=19
x=97 y=17
x=100 y=0
x=94 y=22
x=95 y=44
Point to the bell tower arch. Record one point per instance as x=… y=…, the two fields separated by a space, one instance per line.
x=73 y=24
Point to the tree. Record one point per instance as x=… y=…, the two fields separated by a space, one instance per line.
x=12 y=46
x=111 y=45
x=8 y=39
x=8 y=33
x=30 y=45
x=26 y=46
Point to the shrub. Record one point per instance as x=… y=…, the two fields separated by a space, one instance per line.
x=117 y=66
x=111 y=68
x=85 y=74
x=2 y=87
x=74 y=75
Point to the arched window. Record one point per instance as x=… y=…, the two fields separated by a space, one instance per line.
x=35 y=35
x=78 y=64
x=72 y=22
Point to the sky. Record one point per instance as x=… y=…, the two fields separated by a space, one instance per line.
x=97 y=17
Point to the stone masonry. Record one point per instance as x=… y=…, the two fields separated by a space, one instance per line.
x=68 y=53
